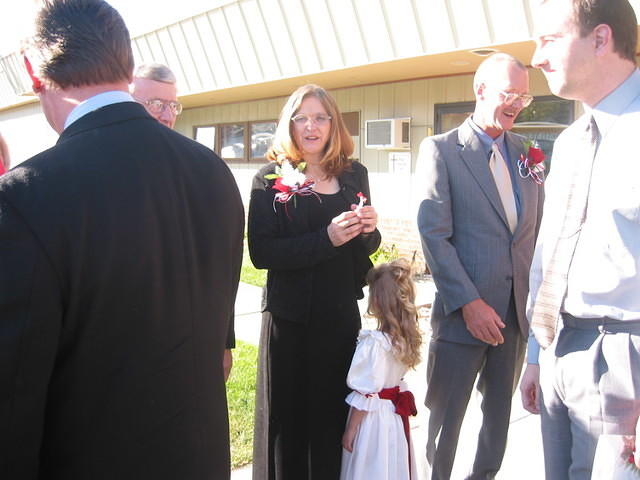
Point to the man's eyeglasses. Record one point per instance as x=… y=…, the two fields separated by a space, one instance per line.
x=509 y=98
x=157 y=106
x=301 y=119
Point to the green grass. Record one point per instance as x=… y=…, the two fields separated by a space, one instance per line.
x=241 y=394
x=385 y=253
x=250 y=274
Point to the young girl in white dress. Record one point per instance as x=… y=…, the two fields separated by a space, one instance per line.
x=376 y=443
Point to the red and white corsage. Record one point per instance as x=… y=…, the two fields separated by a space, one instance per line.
x=532 y=165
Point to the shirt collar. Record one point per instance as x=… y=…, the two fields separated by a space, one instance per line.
x=97 y=101
x=485 y=139
x=611 y=106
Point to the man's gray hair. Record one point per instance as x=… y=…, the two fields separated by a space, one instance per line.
x=156 y=72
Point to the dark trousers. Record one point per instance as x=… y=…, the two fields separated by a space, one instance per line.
x=300 y=407
x=451 y=373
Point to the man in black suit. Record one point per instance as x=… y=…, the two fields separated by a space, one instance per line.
x=154 y=86
x=120 y=251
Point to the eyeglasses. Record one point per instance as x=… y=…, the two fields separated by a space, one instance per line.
x=509 y=98
x=157 y=106
x=301 y=119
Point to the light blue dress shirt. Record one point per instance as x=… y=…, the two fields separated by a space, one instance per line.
x=97 y=101
x=487 y=142
x=604 y=276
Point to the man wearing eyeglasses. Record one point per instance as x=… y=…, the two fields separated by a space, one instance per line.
x=154 y=86
x=478 y=222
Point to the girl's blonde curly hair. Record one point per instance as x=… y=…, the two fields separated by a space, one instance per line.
x=392 y=297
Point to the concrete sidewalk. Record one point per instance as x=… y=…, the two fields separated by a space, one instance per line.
x=523 y=458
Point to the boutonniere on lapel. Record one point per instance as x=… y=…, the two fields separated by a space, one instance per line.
x=291 y=182
x=532 y=164
x=628 y=455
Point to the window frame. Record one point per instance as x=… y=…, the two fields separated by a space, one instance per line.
x=253 y=159
x=217 y=146
x=242 y=159
x=441 y=109
x=248 y=157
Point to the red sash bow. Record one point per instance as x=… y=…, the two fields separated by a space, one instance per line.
x=405 y=405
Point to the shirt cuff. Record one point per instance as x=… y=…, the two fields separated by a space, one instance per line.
x=367 y=403
x=533 y=350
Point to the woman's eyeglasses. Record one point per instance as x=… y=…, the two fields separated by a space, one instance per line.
x=301 y=119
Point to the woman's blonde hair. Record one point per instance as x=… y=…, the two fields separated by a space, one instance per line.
x=392 y=300
x=339 y=147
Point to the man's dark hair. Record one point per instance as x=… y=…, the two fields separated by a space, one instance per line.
x=83 y=42
x=618 y=14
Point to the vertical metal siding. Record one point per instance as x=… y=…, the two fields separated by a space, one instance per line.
x=244 y=42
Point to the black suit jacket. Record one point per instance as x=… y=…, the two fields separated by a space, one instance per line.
x=120 y=251
x=284 y=242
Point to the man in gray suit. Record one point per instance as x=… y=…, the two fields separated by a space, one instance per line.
x=478 y=223
x=585 y=276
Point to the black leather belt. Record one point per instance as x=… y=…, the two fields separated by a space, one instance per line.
x=602 y=324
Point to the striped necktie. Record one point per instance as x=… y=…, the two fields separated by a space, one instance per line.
x=553 y=288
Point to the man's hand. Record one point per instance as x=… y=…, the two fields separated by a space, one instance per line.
x=227 y=363
x=530 y=388
x=483 y=322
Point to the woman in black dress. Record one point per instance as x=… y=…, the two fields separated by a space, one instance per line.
x=314 y=234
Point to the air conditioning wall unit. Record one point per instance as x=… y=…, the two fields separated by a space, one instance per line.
x=388 y=134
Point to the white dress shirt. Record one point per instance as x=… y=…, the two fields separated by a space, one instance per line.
x=97 y=101
x=604 y=277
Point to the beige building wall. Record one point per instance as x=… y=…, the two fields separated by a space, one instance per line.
x=26 y=131
x=395 y=196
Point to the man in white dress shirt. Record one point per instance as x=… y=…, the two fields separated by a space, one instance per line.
x=589 y=374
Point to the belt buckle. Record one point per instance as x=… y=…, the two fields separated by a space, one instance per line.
x=602 y=328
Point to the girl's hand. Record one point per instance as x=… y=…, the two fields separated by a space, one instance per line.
x=344 y=227
x=347 y=439
x=353 y=424
x=368 y=216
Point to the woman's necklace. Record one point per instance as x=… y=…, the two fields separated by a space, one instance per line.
x=326 y=184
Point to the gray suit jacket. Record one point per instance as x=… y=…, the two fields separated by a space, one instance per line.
x=465 y=235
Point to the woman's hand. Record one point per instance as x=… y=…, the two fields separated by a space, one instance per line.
x=368 y=217
x=344 y=227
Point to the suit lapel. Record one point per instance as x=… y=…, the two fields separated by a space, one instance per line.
x=474 y=157
x=349 y=186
